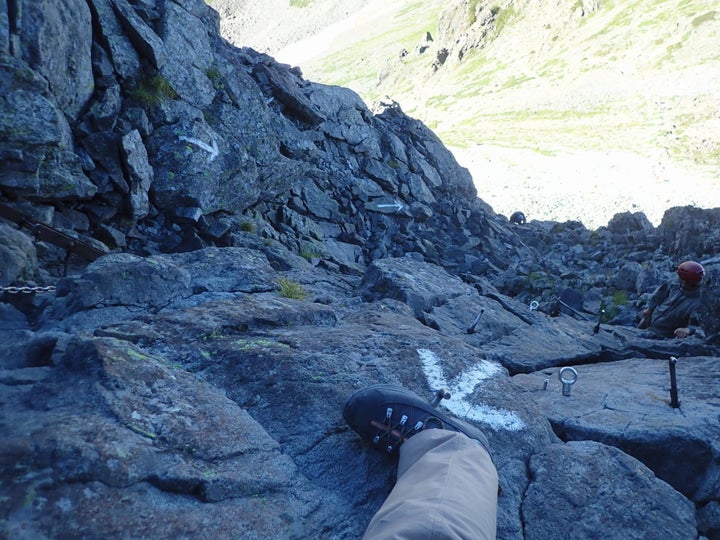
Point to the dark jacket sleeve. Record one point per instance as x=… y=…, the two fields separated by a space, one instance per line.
x=659 y=296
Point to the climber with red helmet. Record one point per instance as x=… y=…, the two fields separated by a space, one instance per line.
x=672 y=306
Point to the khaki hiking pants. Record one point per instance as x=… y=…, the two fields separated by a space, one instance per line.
x=446 y=488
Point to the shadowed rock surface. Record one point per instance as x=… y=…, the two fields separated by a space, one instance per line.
x=271 y=246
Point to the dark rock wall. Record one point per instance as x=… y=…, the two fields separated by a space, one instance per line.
x=144 y=119
x=173 y=386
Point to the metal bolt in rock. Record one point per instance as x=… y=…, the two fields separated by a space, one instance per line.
x=597 y=325
x=442 y=393
x=568 y=376
x=674 y=403
x=471 y=330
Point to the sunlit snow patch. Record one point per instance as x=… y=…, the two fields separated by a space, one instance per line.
x=462 y=388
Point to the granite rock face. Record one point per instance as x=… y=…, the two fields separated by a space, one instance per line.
x=188 y=389
x=272 y=245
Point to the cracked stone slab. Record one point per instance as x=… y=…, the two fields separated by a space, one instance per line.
x=628 y=404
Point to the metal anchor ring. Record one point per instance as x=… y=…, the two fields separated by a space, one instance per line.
x=568 y=376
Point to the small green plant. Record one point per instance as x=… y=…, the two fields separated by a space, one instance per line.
x=210 y=118
x=215 y=334
x=611 y=306
x=300 y=3
x=142 y=432
x=152 y=91
x=502 y=16
x=136 y=355
x=309 y=254
x=247 y=226
x=472 y=9
x=709 y=16
x=215 y=77
x=620 y=298
x=209 y=354
x=291 y=289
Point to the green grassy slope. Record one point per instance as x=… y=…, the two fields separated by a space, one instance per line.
x=634 y=75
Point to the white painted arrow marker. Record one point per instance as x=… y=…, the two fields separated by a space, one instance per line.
x=213 y=150
x=462 y=388
x=396 y=206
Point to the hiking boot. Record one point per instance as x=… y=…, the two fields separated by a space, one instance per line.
x=387 y=416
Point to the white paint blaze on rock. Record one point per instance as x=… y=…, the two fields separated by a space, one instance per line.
x=462 y=388
x=212 y=149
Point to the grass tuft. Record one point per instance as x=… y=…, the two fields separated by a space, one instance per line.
x=153 y=90
x=291 y=289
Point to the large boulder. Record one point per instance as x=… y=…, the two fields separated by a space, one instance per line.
x=56 y=39
x=38 y=160
x=628 y=404
x=18 y=254
x=554 y=508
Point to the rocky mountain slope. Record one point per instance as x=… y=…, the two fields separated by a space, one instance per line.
x=569 y=110
x=204 y=254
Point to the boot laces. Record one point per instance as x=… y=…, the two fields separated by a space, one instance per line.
x=393 y=434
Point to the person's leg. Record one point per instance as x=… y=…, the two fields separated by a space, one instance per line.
x=446 y=488
x=447 y=484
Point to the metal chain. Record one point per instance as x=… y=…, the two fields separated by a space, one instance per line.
x=27 y=290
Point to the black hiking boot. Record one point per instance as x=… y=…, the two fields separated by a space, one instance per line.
x=387 y=416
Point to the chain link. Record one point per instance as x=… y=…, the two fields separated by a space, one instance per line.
x=27 y=290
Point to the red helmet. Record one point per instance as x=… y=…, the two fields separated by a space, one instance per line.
x=691 y=272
